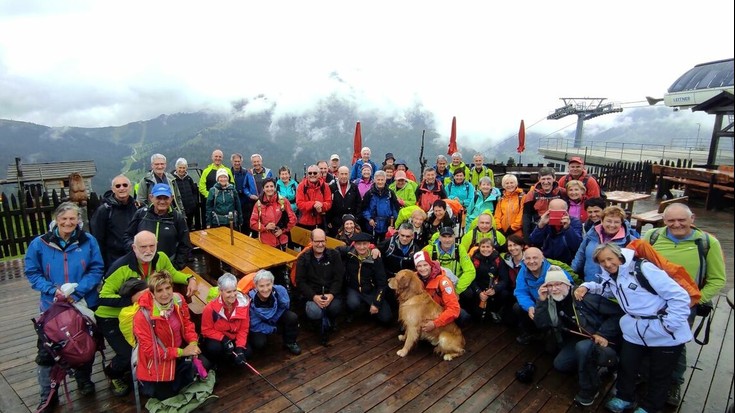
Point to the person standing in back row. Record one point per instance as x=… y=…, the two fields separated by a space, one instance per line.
x=577 y=172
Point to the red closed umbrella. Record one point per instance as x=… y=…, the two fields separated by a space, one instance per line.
x=453 y=138
x=357 y=144
x=522 y=138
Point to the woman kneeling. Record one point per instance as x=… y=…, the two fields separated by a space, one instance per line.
x=167 y=340
x=225 y=324
x=269 y=311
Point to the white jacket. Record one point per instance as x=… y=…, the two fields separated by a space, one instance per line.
x=654 y=320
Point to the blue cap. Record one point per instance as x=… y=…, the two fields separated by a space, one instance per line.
x=161 y=189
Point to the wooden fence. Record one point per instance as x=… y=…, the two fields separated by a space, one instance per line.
x=28 y=215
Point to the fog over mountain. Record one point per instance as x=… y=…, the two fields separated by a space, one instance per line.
x=260 y=125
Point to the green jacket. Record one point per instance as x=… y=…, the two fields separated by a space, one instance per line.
x=686 y=254
x=474 y=176
x=407 y=193
x=404 y=215
x=467 y=241
x=459 y=262
x=125 y=268
x=209 y=178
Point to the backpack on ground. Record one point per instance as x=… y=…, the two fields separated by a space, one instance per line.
x=70 y=337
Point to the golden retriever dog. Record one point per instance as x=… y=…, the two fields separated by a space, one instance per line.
x=416 y=306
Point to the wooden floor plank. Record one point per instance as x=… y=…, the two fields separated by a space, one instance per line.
x=723 y=371
x=694 y=396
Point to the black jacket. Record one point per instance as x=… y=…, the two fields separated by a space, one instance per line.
x=488 y=269
x=171 y=232
x=316 y=277
x=366 y=276
x=189 y=192
x=108 y=225
x=348 y=204
x=394 y=259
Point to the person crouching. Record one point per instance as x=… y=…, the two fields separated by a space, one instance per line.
x=167 y=340
x=269 y=312
x=225 y=324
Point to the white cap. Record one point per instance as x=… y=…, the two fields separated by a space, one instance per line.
x=334 y=156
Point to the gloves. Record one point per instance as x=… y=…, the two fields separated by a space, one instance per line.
x=228 y=345
x=240 y=356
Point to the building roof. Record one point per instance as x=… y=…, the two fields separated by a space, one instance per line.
x=51 y=170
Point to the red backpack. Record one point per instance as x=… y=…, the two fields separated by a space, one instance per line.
x=70 y=337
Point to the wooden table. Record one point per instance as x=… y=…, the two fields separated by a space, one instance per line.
x=245 y=256
x=625 y=199
x=713 y=184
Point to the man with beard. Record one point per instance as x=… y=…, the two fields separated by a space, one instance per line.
x=570 y=321
x=531 y=277
x=398 y=250
x=139 y=263
x=345 y=200
x=168 y=224
x=111 y=219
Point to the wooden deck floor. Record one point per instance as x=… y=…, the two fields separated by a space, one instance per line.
x=360 y=372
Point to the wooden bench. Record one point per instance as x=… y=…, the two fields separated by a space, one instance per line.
x=712 y=185
x=302 y=237
x=656 y=217
x=199 y=298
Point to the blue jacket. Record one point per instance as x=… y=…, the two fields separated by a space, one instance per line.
x=288 y=190
x=264 y=319
x=464 y=193
x=245 y=184
x=527 y=285
x=480 y=204
x=48 y=265
x=558 y=245
x=381 y=206
x=583 y=264
x=356 y=172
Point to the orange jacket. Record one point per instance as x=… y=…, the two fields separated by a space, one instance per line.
x=644 y=250
x=157 y=363
x=441 y=290
x=509 y=212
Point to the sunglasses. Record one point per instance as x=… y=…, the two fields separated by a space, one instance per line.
x=313 y=173
x=121 y=185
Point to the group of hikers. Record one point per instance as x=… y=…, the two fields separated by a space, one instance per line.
x=556 y=262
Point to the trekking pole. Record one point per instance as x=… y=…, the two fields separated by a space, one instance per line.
x=272 y=385
x=231 y=218
x=589 y=336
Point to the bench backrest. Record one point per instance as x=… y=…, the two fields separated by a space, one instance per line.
x=663 y=204
x=301 y=236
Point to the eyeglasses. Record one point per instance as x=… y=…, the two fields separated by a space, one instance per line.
x=316 y=241
x=121 y=185
x=313 y=173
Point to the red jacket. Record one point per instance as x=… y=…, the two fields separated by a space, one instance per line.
x=270 y=210
x=590 y=183
x=157 y=363
x=441 y=289
x=306 y=195
x=216 y=326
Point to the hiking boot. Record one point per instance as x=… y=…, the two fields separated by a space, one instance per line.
x=119 y=387
x=527 y=338
x=673 y=396
x=617 y=405
x=85 y=387
x=51 y=405
x=293 y=348
x=640 y=410
x=586 y=397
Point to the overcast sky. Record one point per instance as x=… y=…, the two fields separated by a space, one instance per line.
x=101 y=63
